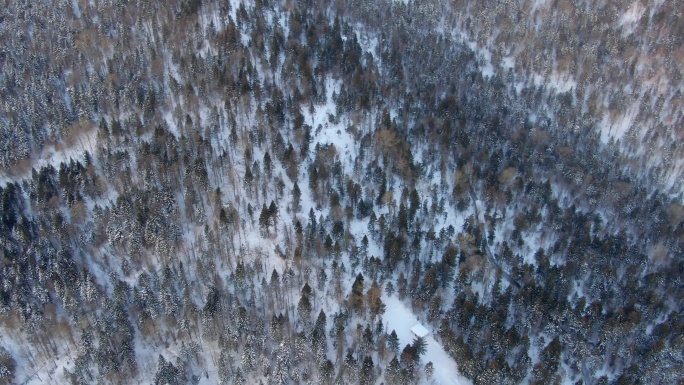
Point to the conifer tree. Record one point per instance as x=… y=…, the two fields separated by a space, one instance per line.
x=296 y=198
x=393 y=342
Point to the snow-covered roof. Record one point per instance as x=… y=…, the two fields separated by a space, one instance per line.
x=419 y=330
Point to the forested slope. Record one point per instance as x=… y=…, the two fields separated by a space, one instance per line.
x=205 y=192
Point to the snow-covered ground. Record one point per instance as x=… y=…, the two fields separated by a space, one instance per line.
x=51 y=155
x=400 y=319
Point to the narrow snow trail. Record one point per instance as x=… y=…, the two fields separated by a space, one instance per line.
x=480 y=223
x=400 y=319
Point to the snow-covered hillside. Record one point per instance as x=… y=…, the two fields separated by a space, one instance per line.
x=276 y=192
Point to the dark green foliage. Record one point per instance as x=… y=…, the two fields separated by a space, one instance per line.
x=367 y=371
x=167 y=373
x=318 y=336
x=212 y=303
x=401 y=286
x=393 y=371
x=393 y=342
x=356 y=299
x=8 y=366
x=296 y=197
x=327 y=371
x=304 y=306
x=394 y=249
x=419 y=346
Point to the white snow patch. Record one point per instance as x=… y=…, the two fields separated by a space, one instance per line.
x=617 y=127
x=631 y=16
x=368 y=42
x=508 y=62
x=560 y=82
x=400 y=319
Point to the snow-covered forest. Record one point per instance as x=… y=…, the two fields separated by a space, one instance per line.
x=276 y=192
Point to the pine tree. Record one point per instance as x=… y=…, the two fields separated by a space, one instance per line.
x=239 y=378
x=249 y=354
x=268 y=164
x=281 y=372
x=402 y=218
x=419 y=346
x=368 y=337
x=8 y=366
x=167 y=373
x=367 y=371
x=371 y=223
x=401 y=285
x=429 y=370
x=389 y=289
x=273 y=214
x=351 y=366
x=375 y=304
x=249 y=178
x=322 y=278
x=264 y=220
x=319 y=342
x=327 y=371
x=434 y=309
x=409 y=359
x=304 y=305
x=393 y=342
x=356 y=300
x=549 y=362
x=296 y=198
x=364 y=243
